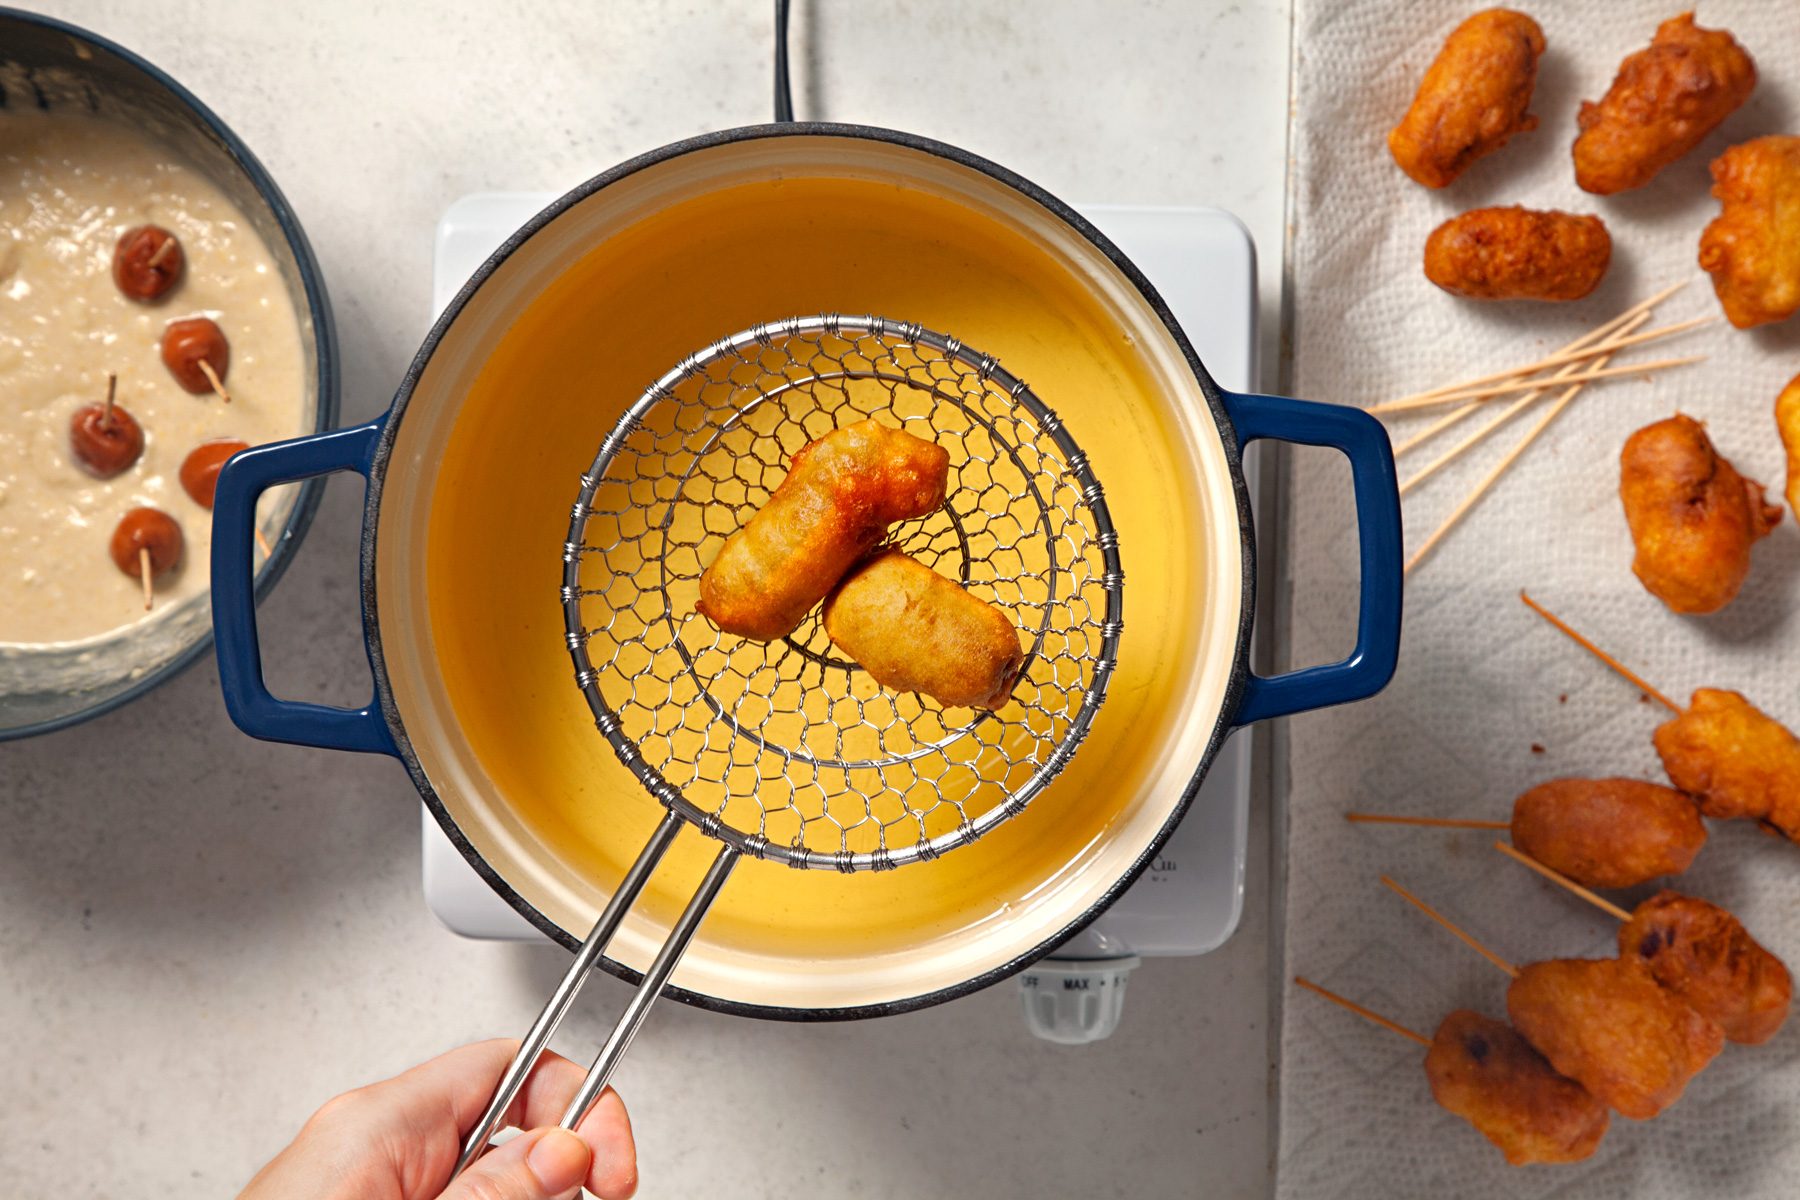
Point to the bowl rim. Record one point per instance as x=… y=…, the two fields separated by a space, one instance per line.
x=324 y=349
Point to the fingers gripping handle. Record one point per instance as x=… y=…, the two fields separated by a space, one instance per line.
x=1364 y=442
x=245 y=477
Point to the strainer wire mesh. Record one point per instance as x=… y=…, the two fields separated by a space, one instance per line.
x=788 y=751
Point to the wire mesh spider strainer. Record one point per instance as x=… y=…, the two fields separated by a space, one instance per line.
x=787 y=750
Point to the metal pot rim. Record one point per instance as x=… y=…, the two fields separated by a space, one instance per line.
x=1233 y=454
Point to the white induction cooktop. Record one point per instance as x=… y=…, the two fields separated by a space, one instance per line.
x=1202 y=262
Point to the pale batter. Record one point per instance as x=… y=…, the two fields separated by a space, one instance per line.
x=69 y=186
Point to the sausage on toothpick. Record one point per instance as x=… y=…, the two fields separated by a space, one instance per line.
x=104 y=438
x=1605 y=1023
x=1698 y=951
x=1606 y=833
x=147 y=262
x=1733 y=758
x=146 y=544
x=200 y=469
x=198 y=356
x=1484 y=1072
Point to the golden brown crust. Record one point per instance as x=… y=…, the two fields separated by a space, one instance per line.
x=1787 y=420
x=1752 y=248
x=1693 y=518
x=1735 y=760
x=1608 y=833
x=1473 y=97
x=1484 y=1072
x=1518 y=254
x=1607 y=1024
x=1703 y=954
x=841 y=493
x=1665 y=99
x=915 y=631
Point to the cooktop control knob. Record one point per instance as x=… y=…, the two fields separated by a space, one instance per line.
x=1075 y=1001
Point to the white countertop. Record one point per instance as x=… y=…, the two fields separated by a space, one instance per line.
x=202 y=937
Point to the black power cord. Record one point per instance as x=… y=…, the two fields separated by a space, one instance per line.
x=784 y=96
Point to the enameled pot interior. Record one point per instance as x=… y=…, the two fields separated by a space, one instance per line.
x=564 y=334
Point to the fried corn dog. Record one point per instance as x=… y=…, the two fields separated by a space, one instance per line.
x=1473 y=97
x=1693 y=518
x=841 y=493
x=916 y=631
x=1610 y=1026
x=1703 y=954
x=1608 y=833
x=1484 y=1072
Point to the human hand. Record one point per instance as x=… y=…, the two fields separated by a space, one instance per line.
x=398 y=1139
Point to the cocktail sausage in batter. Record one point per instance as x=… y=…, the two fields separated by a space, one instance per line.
x=841 y=493
x=1484 y=1072
x=1472 y=99
x=1693 y=518
x=1665 y=100
x=1608 y=833
x=1734 y=759
x=1705 y=955
x=916 y=631
x=1611 y=1027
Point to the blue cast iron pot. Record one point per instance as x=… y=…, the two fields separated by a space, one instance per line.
x=410 y=717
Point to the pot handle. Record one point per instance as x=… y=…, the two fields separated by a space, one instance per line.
x=1364 y=442
x=246 y=475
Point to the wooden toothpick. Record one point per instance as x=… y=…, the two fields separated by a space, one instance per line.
x=1492 y=477
x=1435 y=822
x=1467 y=938
x=1507 y=389
x=1563 y=881
x=1576 y=637
x=1508 y=413
x=1586 y=340
x=1359 y=1010
x=212 y=377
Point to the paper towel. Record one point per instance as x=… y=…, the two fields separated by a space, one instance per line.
x=1482 y=681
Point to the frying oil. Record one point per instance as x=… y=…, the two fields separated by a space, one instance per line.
x=617 y=319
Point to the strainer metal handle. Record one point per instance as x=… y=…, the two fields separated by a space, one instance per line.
x=586 y=959
x=729 y=406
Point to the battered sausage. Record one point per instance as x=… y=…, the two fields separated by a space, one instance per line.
x=1484 y=1072
x=147 y=262
x=1518 y=254
x=200 y=469
x=1608 y=833
x=841 y=493
x=1693 y=518
x=105 y=439
x=188 y=343
x=1752 y=248
x=1787 y=420
x=1734 y=759
x=1705 y=955
x=1608 y=1025
x=149 y=529
x=915 y=631
x=1664 y=101
x=1472 y=99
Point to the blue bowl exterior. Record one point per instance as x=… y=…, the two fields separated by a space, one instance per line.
x=116 y=83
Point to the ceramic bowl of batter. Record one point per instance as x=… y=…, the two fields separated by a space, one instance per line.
x=50 y=66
